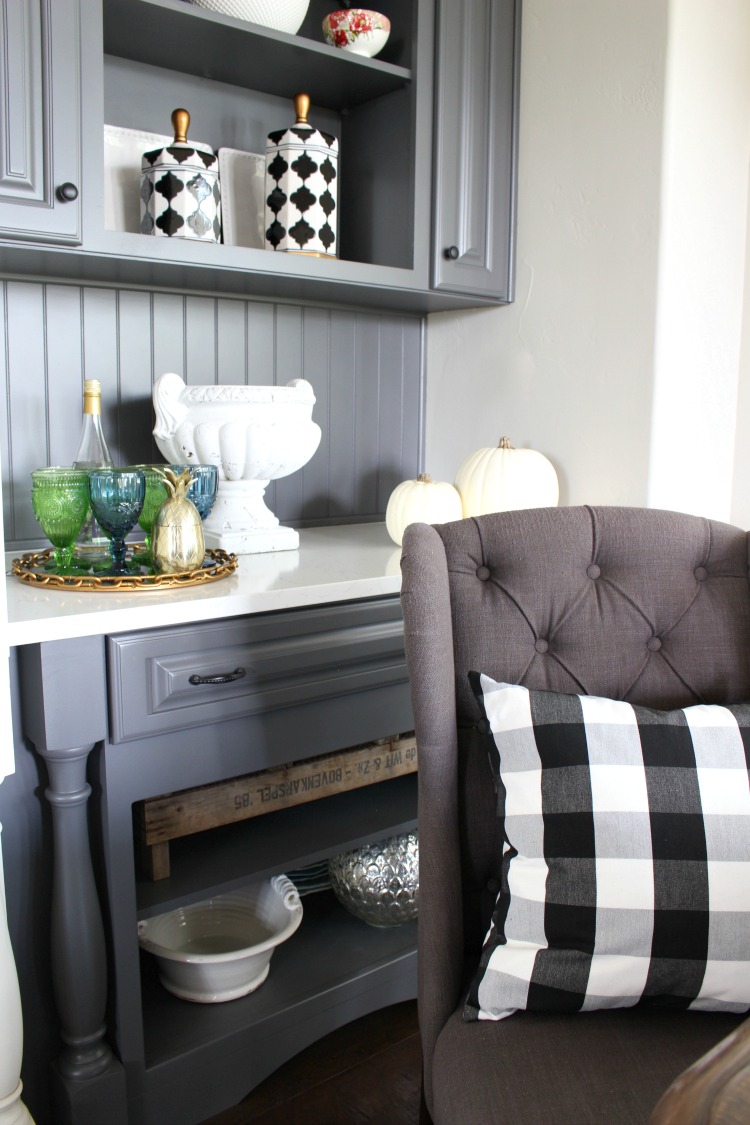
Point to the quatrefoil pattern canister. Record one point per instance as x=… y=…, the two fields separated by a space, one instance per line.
x=301 y=187
x=180 y=193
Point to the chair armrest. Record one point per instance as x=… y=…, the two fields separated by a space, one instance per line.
x=428 y=638
x=715 y=1090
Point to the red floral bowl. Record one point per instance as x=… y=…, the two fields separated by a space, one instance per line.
x=357 y=30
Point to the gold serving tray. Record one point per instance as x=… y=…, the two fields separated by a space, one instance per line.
x=30 y=568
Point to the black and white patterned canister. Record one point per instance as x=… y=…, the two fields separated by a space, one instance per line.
x=180 y=191
x=301 y=187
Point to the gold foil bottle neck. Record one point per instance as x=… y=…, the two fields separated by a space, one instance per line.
x=180 y=124
x=301 y=108
x=92 y=396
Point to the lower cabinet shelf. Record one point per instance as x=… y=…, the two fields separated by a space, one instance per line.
x=333 y=970
x=219 y=860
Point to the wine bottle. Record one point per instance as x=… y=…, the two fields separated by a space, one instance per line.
x=92 y=545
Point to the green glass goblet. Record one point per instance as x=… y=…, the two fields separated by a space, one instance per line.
x=156 y=493
x=60 y=499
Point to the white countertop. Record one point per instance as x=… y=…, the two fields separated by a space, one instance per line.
x=332 y=564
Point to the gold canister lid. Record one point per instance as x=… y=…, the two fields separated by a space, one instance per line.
x=180 y=124
x=302 y=108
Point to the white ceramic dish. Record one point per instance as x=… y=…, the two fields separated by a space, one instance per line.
x=220 y=949
x=123 y=149
x=243 y=182
x=280 y=15
x=360 y=31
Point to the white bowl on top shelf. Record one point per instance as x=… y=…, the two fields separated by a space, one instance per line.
x=221 y=949
x=280 y=15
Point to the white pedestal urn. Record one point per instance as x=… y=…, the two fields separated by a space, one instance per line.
x=253 y=435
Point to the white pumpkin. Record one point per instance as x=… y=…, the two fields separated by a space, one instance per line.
x=423 y=500
x=506 y=479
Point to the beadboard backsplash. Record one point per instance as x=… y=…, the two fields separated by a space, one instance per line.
x=365 y=368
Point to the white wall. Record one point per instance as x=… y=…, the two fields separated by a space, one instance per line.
x=740 y=513
x=571 y=367
x=702 y=257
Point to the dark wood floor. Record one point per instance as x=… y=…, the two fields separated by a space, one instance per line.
x=368 y=1071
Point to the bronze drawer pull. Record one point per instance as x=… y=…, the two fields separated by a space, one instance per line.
x=228 y=678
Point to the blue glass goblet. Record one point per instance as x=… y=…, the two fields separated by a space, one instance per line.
x=203 y=486
x=117 y=497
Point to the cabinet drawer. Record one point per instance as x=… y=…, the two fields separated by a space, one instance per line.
x=157 y=679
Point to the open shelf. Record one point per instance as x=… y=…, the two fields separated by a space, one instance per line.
x=244 y=54
x=206 y=1057
x=217 y=861
x=234 y=271
x=238 y=80
x=329 y=951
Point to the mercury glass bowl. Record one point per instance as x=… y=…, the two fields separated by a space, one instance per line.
x=379 y=883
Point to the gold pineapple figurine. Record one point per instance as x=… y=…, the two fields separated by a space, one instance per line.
x=177 y=535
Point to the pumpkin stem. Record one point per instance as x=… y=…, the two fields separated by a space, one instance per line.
x=505 y=443
x=424 y=478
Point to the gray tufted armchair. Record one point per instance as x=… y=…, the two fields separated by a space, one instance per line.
x=642 y=605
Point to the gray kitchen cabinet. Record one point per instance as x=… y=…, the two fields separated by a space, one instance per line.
x=476 y=114
x=40 y=122
x=238 y=81
x=140 y=59
x=318 y=679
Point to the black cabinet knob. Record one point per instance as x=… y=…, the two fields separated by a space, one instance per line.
x=66 y=193
x=451 y=253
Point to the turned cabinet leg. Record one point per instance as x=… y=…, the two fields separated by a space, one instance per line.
x=87 y=1082
x=79 y=966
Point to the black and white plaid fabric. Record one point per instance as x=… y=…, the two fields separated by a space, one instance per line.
x=626 y=862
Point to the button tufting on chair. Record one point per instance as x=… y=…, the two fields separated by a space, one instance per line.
x=483 y=573
x=541 y=645
x=653 y=644
x=701 y=574
x=593 y=571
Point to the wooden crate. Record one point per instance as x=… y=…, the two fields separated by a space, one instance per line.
x=162 y=819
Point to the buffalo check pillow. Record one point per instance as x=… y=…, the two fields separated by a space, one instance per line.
x=626 y=856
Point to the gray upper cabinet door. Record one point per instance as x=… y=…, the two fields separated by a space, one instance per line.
x=40 y=112
x=476 y=113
